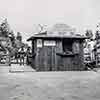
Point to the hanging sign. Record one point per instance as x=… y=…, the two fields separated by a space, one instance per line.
x=39 y=43
x=49 y=43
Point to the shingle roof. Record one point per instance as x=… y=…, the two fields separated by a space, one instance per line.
x=58 y=31
x=42 y=36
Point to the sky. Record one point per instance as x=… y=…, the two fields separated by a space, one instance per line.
x=25 y=15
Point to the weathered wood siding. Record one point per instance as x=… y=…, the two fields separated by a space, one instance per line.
x=46 y=58
x=59 y=48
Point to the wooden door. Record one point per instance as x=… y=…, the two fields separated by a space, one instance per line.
x=49 y=58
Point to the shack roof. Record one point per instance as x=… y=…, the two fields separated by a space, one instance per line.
x=58 y=31
x=45 y=36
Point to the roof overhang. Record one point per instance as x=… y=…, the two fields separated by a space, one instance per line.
x=56 y=37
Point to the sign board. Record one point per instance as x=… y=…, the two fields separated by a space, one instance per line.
x=39 y=43
x=49 y=43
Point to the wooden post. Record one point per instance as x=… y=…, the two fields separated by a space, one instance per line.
x=8 y=59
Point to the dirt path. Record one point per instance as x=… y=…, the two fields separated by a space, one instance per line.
x=49 y=85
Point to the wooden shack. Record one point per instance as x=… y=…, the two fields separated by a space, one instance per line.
x=54 y=52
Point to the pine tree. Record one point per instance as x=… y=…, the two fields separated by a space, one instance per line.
x=4 y=28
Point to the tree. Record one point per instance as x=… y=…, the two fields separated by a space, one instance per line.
x=8 y=34
x=89 y=34
x=4 y=28
x=42 y=28
x=12 y=43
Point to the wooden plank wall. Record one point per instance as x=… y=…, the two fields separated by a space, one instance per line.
x=59 y=48
x=47 y=60
x=70 y=63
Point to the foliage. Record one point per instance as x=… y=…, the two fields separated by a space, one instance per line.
x=89 y=34
x=8 y=35
x=13 y=43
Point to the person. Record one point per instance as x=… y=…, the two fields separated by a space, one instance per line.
x=21 y=55
x=17 y=56
x=9 y=58
x=28 y=53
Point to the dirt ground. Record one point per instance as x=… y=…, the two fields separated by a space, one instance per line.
x=84 y=85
